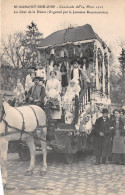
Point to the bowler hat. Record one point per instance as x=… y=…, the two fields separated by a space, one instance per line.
x=37 y=78
x=105 y=110
x=32 y=67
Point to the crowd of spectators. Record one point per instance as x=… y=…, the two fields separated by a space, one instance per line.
x=109 y=138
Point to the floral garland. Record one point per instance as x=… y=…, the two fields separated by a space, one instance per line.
x=53 y=104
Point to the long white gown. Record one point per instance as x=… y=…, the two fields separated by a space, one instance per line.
x=69 y=104
x=53 y=90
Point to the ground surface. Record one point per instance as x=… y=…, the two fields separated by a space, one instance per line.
x=81 y=177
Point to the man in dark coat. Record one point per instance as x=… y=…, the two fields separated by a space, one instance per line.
x=78 y=74
x=103 y=131
x=37 y=94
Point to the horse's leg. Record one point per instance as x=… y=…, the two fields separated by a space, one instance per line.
x=30 y=143
x=3 y=159
x=44 y=151
x=3 y=152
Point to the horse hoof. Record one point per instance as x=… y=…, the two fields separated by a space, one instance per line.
x=29 y=173
x=42 y=173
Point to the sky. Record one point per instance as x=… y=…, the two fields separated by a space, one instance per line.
x=110 y=27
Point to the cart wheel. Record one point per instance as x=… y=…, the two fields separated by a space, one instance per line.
x=69 y=158
x=24 y=153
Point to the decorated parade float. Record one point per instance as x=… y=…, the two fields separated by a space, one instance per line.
x=93 y=54
x=84 y=44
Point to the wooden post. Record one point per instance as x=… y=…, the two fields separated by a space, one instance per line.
x=103 y=68
x=97 y=71
x=108 y=78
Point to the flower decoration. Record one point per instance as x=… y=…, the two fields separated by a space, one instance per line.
x=53 y=104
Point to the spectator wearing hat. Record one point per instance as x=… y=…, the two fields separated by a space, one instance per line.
x=37 y=94
x=103 y=130
x=29 y=82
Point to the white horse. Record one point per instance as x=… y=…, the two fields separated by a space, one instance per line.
x=20 y=123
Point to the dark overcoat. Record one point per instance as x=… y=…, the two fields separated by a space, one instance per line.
x=37 y=93
x=103 y=144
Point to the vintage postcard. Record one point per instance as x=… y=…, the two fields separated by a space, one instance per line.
x=62 y=97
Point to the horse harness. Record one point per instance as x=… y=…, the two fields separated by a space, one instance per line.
x=22 y=130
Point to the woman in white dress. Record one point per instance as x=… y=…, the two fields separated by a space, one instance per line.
x=69 y=100
x=53 y=90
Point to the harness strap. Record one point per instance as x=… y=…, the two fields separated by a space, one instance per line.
x=35 y=115
x=11 y=126
x=6 y=129
x=37 y=118
x=23 y=124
